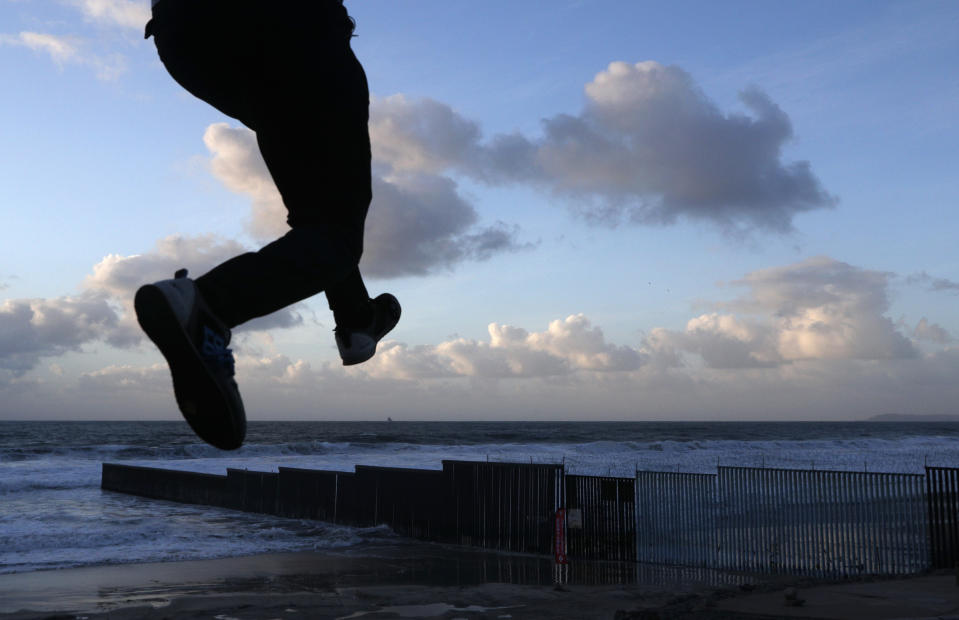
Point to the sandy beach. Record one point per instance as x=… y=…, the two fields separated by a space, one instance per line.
x=432 y=581
x=421 y=581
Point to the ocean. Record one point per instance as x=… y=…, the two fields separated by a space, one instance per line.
x=54 y=515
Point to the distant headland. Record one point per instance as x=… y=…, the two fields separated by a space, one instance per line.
x=913 y=417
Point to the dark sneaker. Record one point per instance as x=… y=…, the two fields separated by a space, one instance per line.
x=193 y=341
x=358 y=344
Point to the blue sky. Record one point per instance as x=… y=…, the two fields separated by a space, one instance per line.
x=658 y=246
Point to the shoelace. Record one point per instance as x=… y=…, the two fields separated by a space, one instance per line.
x=214 y=350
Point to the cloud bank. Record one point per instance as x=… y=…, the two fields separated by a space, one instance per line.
x=566 y=347
x=809 y=340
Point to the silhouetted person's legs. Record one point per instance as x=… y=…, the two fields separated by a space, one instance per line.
x=286 y=71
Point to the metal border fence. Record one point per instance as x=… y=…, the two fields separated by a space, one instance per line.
x=821 y=522
x=508 y=506
x=676 y=517
x=601 y=518
x=942 y=495
x=809 y=522
x=812 y=522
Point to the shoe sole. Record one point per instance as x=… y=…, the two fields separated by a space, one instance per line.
x=369 y=353
x=359 y=357
x=198 y=394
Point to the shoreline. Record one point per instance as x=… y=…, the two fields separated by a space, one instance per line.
x=418 y=578
x=434 y=581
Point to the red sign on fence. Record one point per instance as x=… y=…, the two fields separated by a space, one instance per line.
x=560 y=537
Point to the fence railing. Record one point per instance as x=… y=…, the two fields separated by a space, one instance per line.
x=508 y=506
x=676 y=518
x=821 y=522
x=784 y=521
x=813 y=522
x=600 y=518
x=942 y=494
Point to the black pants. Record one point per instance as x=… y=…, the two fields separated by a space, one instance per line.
x=285 y=70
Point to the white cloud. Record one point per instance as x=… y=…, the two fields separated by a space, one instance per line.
x=61 y=49
x=420 y=135
x=817 y=309
x=931 y=332
x=128 y=379
x=656 y=149
x=124 y=13
x=397 y=360
x=418 y=223
x=649 y=147
x=278 y=370
x=565 y=347
x=65 y=50
x=567 y=371
x=933 y=284
x=825 y=308
x=120 y=277
x=35 y=328
x=723 y=341
x=237 y=163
